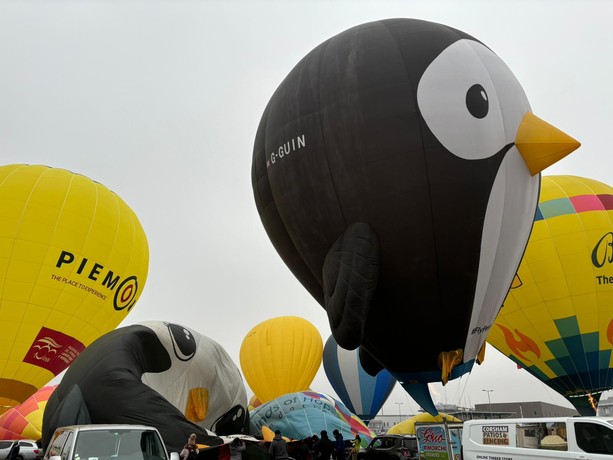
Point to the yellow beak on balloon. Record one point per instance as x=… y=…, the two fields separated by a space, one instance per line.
x=542 y=144
x=197 y=404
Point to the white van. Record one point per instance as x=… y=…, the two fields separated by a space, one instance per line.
x=107 y=442
x=538 y=438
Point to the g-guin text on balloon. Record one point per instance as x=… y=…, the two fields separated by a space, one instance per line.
x=286 y=148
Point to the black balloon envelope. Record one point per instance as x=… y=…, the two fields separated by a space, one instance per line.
x=396 y=170
x=153 y=373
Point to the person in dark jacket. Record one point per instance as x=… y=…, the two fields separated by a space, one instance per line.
x=278 y=448
x=339 y=445
x=324 y=447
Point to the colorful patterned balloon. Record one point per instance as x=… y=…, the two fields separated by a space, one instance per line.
x=557 y=320
x=25 y=421
x=299 y=415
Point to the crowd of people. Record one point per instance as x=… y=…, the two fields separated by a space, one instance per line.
x=318 y=447
x=323 y=448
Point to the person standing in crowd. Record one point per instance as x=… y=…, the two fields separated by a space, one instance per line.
x=190 y=450
x=237 y=446
x=324 y=447
x=314 y=440
x=339 y=445
x=278 y=447
x=357 y=443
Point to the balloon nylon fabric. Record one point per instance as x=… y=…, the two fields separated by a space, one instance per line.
x=300 y=415
x=281 y=355
x=74 y=263
x=363 y=394
x=556 y=321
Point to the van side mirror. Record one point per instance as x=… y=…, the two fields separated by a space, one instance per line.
x=173 y=456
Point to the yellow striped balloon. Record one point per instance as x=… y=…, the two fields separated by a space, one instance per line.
x=73 y=262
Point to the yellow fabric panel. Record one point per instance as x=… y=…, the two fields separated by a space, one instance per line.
x=560 y=308
x=280 y=356
x=55 y=301
x=408 y=426
x=562 y=226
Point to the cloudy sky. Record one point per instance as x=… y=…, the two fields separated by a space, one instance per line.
x=160 y=101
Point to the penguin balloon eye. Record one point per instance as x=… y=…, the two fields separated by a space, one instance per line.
x=183 y=342
x=471 y=101
x=476 y=101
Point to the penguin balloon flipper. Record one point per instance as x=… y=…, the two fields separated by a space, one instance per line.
x=421 y=394
x=368 y=362
x=350 y=273
x=71 y=410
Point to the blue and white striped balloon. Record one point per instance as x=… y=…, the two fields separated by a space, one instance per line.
x=363 y=394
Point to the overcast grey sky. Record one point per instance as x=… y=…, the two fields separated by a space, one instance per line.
x=160 y=101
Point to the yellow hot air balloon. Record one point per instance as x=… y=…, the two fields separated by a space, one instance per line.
x=408 y=426
x=280 y=356
x=73 y=262
x=557 y=319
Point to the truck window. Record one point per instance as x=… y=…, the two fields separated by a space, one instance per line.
x=529 y=434
x=57 y=444
x=555 y=436
x=67 y=449
x=152 y=446
x=593 y=438
x=119 y=445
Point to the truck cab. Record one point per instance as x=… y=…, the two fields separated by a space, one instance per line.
x=107 y=442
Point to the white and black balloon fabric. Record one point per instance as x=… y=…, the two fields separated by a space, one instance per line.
x=362 y=393
x=153 y=373
x=396 y=171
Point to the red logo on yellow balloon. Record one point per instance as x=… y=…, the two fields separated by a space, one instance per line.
x=53 y=350
x=524 y=343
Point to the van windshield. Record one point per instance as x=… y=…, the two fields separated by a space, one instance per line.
x=114 y=444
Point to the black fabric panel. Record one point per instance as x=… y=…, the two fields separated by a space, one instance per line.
x=350 y=273
x=69 y=411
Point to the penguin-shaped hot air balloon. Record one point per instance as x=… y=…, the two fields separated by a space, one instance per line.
x=396 y=170
x=153 y=373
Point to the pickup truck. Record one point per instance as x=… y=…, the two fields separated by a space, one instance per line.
x=107 y=442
